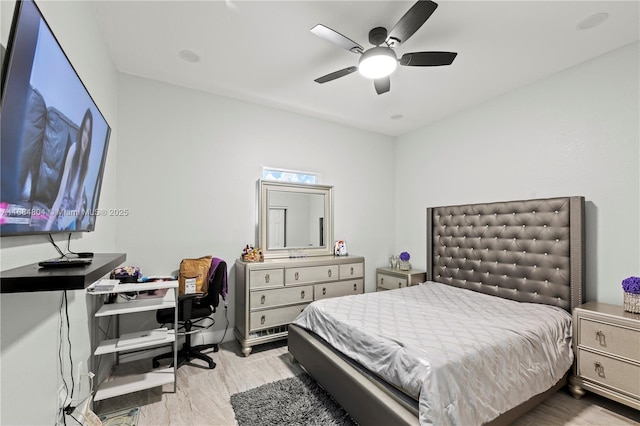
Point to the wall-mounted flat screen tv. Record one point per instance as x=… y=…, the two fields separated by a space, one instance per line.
x=54 y=138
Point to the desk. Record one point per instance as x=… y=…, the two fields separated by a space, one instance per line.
x=158 y=377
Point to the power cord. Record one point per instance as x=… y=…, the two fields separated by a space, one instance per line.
x=64 y=382
x=107 y=335
x=70 y=410
x=226 y=316
x=60 y=252
x=69 y=245
x=64 y=302
x=66 y=312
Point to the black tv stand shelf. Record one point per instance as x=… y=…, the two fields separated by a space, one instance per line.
x=30 y=278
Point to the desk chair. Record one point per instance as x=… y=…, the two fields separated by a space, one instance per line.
x=192 y=309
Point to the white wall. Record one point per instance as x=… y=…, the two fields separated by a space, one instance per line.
x=29 y=322
x=573 y=133
x=187 y=169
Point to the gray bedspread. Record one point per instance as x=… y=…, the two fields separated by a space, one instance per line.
x=466 y=357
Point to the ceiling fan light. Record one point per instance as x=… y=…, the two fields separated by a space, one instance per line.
x=377 y=62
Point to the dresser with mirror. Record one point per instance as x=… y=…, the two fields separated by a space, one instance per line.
x=294 y=229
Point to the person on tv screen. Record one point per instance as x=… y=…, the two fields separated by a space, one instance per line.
x=69 y=206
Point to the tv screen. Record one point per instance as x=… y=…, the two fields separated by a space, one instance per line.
x=54 y=138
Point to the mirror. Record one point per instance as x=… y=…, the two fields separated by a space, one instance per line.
x=294 y=219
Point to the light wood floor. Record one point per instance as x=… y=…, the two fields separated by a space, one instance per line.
x=203 y=396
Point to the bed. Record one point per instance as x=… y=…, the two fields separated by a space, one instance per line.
x=481 y=260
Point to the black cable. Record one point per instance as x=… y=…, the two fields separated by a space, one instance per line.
x=107 y=336
x=69 y=245
x=64 y=301
x=64 y=382
x=56 y=246
x=74 y=418
x=66 y=310
x=226 y=316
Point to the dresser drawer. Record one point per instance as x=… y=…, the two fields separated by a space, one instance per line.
x=608 y=371
x=609 y=338
x=351 y=270
x=266 y=278
x=273 y=317
x=341 y=288
x=311 y=274
x=390 y=282
x=281 y=296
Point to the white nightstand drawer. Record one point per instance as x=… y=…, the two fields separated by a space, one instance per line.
x=609 y=338
x=273 y=317
x=390 y=282
x=607 y=357
x=266 y=278
x=351 y=270
x=311 y=274
x=281 y=296
x=611 y=372
x=342 y=288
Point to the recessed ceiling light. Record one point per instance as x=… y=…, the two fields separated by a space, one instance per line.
x=189 y=56
x=397 y=116
x=592 y=21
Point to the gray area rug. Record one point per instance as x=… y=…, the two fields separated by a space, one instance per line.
x=295 y=401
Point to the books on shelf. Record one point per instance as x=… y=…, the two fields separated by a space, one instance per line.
x=105 y=285
x=139 y=337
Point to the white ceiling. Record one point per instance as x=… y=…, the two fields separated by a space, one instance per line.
x=264 y=52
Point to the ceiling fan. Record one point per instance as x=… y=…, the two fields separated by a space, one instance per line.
x=379 y=62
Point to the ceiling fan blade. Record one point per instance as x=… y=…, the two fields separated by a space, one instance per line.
x=382 y=85
x=411 y=22
x=427 y=59
x=336 y=74
x=336 y=38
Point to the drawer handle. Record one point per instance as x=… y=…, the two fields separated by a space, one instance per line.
x=351 y=270
x=399 y=284
x=302 y=294
x=355 y=287
x=266 y=278
x=296 y=276
x=263 y=319
x=324 y=291
x=262 y=299
x=329 y=273
x=599 y=369
x=381 y=281
x=601 y=338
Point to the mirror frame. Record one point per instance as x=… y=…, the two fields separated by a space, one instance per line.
x=263 y=193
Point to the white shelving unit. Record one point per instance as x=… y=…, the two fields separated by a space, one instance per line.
x=158 y=377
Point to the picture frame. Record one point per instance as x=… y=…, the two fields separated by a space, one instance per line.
x=340 y=248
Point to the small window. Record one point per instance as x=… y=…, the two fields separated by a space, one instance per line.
x=295 y=176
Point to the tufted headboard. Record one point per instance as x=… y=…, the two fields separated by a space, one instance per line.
x=529 y=250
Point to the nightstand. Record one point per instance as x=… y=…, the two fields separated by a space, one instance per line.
x=389 y=279
x=607 y=348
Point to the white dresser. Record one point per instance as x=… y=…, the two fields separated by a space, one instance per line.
x=270 y=294
x=607 y=345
